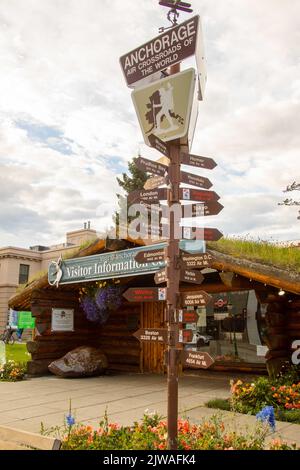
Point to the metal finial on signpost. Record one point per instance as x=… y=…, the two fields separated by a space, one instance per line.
x=173 y=14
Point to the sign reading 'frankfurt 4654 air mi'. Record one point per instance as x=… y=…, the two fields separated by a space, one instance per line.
x=164 y=107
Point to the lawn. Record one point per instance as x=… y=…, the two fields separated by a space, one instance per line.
x=17 y=352
x=260 y=251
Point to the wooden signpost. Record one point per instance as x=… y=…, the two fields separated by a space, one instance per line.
x=187 y=316
x=196 y=359
x=207 y=234
x=197 y=161
x=165 y=109
x=202 y=210
x=145 y=294
x=195 y=180
x=147 y=196
x=200 y=298
x=201 y=261
x=190 y=276
x=149 y=166
x=152 y=335
x=188 y=194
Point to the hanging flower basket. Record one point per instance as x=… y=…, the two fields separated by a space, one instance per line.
x=99 y=300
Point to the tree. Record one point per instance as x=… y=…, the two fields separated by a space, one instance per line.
x=135 y=180
x=290 y=201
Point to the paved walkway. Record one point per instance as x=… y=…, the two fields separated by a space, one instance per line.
x=25 y=405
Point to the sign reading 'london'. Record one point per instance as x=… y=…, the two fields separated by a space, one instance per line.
x=102 y=266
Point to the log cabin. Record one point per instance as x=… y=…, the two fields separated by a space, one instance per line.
x=251 y=324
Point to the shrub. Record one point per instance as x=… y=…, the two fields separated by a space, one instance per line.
x=151 y=434
x=12 y=371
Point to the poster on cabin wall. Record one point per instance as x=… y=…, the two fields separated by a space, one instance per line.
x=62 y=319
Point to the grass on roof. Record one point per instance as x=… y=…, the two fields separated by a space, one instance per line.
x=287 y=258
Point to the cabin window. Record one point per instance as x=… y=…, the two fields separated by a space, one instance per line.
x=23 y=273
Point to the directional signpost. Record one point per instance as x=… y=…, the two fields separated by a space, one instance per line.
x=202 y=210
x=148 y=166
x=201 y=261
x=207 y=234
x=196 y=359
x=145 y=294
x=152 y=335
x=167 y=111
x=187 y=316
x=199 y=162
x=188 y=194
x=199 y=298
x=195 y=180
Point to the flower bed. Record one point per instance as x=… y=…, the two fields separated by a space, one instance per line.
x=282 y=393
x=151 y=434
x=12 y=371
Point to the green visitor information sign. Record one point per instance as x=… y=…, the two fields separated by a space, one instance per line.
x=25 y=320
x=107 y=265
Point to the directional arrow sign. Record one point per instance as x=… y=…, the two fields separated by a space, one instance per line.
x=145 y=294
x=196 y=359
x=186 y=336
x=153 y=195
x=193 y=299
x=187 y=316
x=201 y=261
x=151 y=167
x=158 y=144
x=207 y=234
x=155 y=182
x=193 y=277
x=150 y=256
x=197 y=161
x=188 y=194
x=160 y=277
x=152 y=335
x=202 y=210
x=195 y=180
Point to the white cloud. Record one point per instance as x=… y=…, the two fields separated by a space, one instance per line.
x=60 y=72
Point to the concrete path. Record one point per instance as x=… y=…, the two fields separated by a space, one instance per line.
x=25 y=405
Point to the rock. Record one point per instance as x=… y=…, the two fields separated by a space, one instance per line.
x=84 y=361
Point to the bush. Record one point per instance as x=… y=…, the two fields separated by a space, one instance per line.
x=12 y=371
x=219 y=404
x=151 y=434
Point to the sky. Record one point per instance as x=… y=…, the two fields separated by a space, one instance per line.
x=68 y=125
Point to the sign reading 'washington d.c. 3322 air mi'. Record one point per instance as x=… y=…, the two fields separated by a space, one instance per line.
x=171 y=47
x=164 y=107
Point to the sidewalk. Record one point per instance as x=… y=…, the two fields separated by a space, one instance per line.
x=25 y=405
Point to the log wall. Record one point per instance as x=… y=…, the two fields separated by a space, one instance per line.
x=114 y=339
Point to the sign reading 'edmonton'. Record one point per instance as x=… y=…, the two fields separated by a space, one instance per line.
x=104 y=266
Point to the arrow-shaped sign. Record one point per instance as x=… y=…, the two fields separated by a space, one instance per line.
x=159 y=145
x=193 y=299
x=153 y=195
x=187 y=336
x=200 y=261
x=187 y=316
x=197 y=161
x=196 y=359
x=188 y=194
x=150 y=256
x=192 y=277
x=155 y=182
x=152 y=335
x=145 y=294
x=207 y=234
x=202 y=210
x=195 y=180
x=149 y=166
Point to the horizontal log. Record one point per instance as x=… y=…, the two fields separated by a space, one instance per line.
x=124 y=367
x=38 y=367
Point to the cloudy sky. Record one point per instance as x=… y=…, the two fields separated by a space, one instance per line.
x=68 y=127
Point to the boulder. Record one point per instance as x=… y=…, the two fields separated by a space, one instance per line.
x=84 y=361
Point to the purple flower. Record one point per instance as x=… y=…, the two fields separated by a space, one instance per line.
x=267 y=415
x=70 y=420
